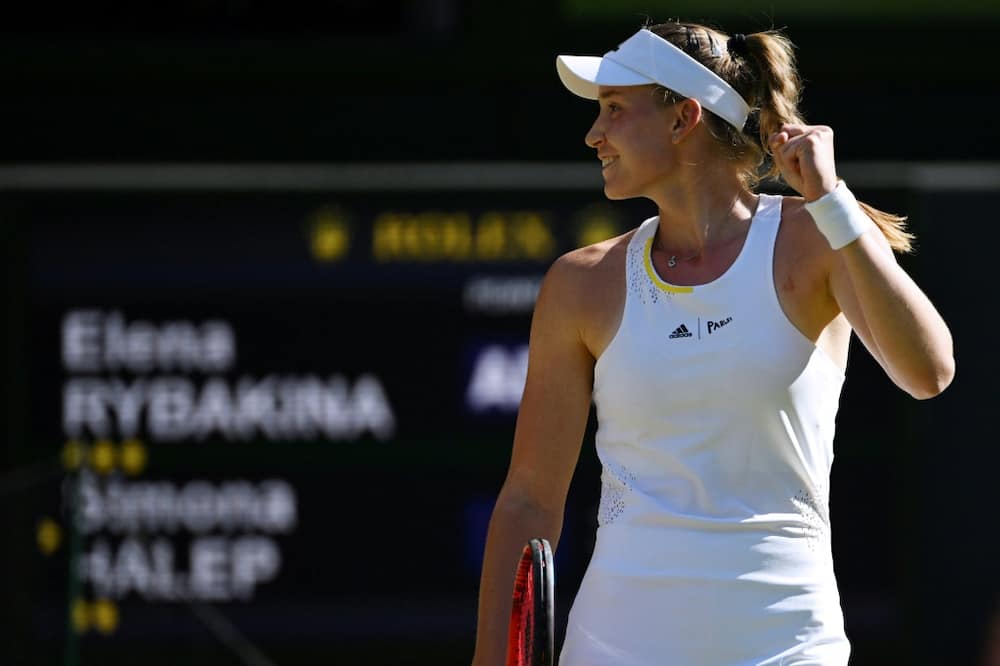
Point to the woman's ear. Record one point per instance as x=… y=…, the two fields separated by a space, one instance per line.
x=686 y=116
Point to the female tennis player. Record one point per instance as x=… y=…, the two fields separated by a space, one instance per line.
x=713 y=340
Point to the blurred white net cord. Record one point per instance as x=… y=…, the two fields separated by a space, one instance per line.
x=430 y=176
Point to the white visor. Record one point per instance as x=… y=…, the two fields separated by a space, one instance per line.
x=646 y=58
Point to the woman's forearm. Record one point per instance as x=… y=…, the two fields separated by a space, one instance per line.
x=513 y=523
x=912 y=338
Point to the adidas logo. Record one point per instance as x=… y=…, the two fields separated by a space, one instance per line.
x=681 y=332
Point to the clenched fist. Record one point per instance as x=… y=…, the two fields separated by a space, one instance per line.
x=804 y=154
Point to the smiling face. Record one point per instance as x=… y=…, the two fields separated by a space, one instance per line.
x=634 y=139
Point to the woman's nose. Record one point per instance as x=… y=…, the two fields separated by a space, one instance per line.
x=594 y=136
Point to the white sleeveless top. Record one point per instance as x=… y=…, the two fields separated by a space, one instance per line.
x=715 y=431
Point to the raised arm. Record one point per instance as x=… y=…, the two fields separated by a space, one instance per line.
x=885 y=307
x=547 y=440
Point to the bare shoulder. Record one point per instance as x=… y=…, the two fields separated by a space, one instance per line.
x=797 y=223
x=595 y=257
x=581 y=271
x=586 y=288
x=801 y=247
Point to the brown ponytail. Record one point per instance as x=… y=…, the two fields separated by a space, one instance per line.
x=893 y=227
x=761 y=68
x=774 y=86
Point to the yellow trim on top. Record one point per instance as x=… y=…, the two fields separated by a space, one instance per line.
x=647 y=259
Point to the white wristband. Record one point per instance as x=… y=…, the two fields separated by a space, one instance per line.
x=839 y=217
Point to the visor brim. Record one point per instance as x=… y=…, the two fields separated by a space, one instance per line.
x=584 y=75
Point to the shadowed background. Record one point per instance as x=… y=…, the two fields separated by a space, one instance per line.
x=269 y=270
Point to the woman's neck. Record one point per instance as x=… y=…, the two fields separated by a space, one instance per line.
x=702 y=210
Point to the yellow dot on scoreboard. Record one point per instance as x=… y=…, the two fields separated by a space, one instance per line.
x=595 y=231
x=133 y=457
x=80 y=615
x=106 y=616
x=330 y=235
x=103 y=456
x=49 y=536
x=72 y=454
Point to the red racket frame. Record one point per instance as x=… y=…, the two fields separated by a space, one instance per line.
x=530 y=640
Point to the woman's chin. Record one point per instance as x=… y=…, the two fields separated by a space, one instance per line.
x=615 y=193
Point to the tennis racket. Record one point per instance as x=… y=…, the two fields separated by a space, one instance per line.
x=532 y=617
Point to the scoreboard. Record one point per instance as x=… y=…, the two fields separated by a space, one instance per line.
x=277 y=416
